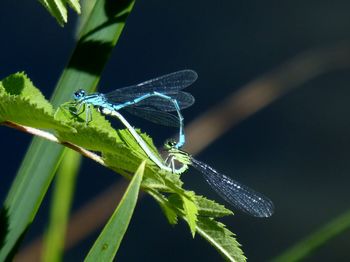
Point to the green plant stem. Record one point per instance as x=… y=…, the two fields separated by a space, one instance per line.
x=60 y=207
x=315 y=240
x=97 y=39
x=50 y=137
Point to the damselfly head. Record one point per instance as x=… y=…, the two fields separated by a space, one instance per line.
x=169 y=144
x=79 y=94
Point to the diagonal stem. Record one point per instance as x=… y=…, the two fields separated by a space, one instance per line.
x=52 y=138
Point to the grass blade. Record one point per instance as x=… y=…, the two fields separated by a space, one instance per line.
x=107 y=244
x=98 y=37
x=60 y=207
x=315 y=240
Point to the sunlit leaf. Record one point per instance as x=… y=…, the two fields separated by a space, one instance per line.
x=58 y=8
x=108 y=242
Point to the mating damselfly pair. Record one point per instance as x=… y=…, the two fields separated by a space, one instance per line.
x=153 y=100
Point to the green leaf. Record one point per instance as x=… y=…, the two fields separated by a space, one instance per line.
x=74 y=4
x=22 y=103
x=190 y=210
x=210 y=208
x=184 y=204
x=214 y=232
x=58 y=8
x=107 y=244
x=125 y=161
x=169 y=213
x=123 y=153
x=60 y=207
x=221 y=238
x=97 y=135
x=99 y=35
x=86 y=8
x=119 y=149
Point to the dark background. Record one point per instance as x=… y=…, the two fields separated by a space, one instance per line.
x=296 y=150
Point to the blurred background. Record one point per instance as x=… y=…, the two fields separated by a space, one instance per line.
x=278 y=76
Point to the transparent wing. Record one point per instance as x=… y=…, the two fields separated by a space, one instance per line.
x=167 y=84
x=155 y=116
x=183 y=99
x=236 y=194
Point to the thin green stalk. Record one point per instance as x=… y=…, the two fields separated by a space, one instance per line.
x=60 y=206
x=97 y=39
x=317 y=239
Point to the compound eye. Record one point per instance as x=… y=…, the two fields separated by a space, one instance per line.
x=79 y=94
x=171 y=143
